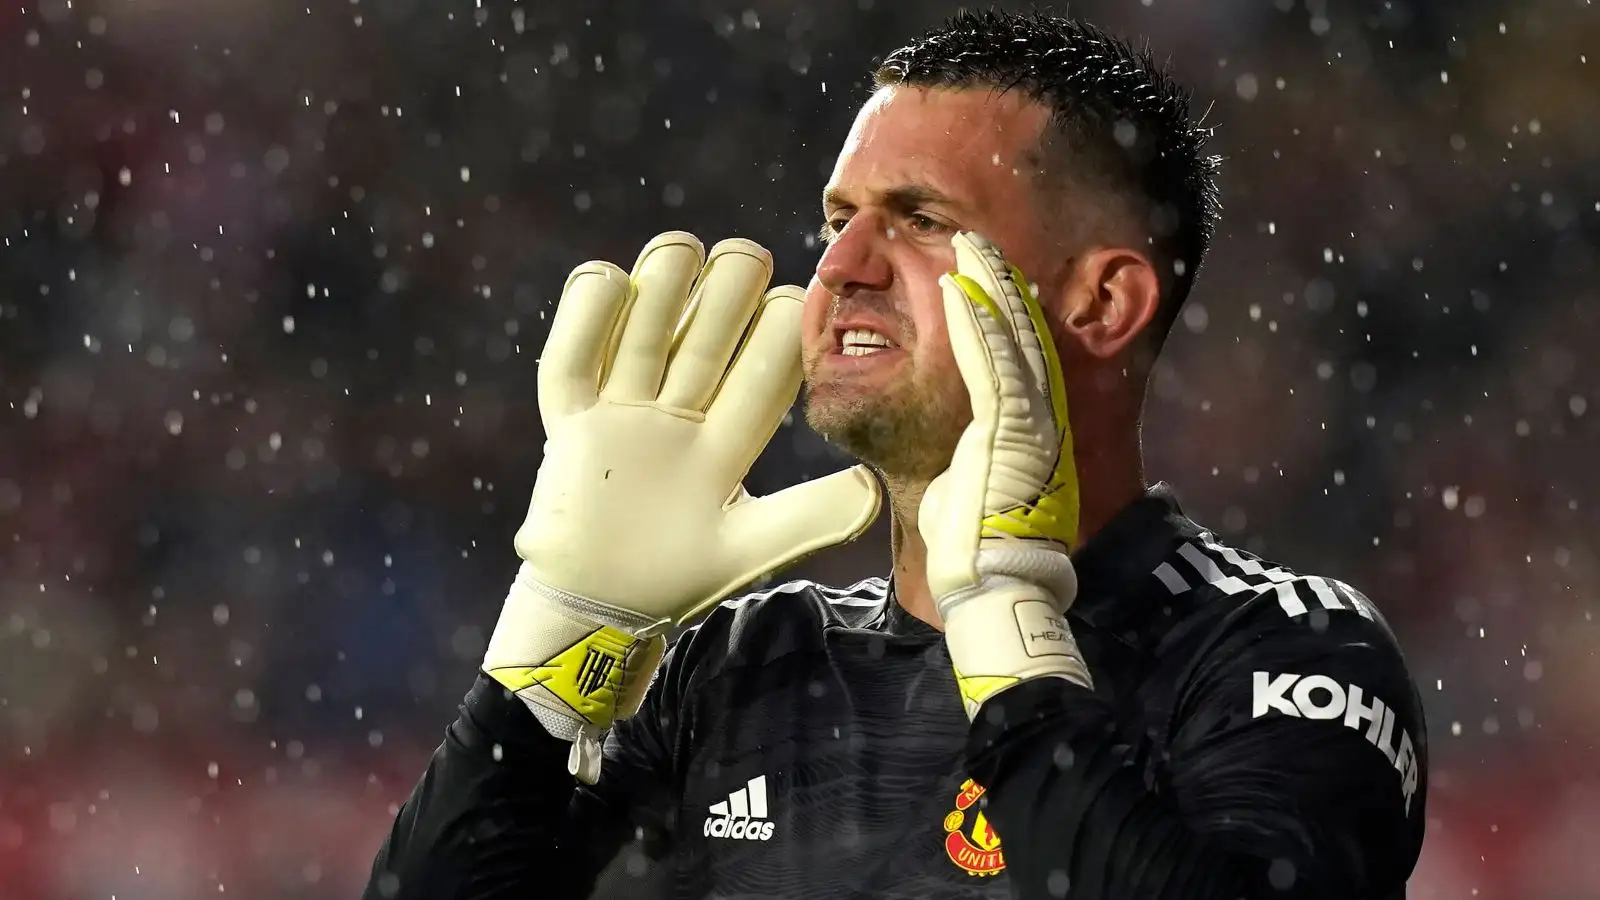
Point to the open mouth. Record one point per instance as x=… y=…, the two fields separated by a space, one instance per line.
x=864 y=342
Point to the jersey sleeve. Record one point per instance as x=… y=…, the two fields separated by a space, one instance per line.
x=497 y=815
x=1295 y=769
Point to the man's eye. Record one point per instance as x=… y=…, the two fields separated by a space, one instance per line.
x=831 y=229
x=922 y=224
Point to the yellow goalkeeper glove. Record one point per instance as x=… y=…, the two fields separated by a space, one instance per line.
x=999 y=522
x=658 y=391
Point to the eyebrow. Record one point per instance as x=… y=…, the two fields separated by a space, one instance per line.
x=901 y=198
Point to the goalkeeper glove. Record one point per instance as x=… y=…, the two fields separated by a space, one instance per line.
x=658 y=391
x=999 y=522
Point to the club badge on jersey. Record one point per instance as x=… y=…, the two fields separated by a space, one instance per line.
x=970 y=841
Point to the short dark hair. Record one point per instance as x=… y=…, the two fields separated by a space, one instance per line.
x=1119 y=116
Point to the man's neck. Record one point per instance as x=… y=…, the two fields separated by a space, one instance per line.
x=910 y=553
x=1108 y=483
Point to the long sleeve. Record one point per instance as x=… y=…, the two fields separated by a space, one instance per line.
x=496 y=814
x=1295 y=768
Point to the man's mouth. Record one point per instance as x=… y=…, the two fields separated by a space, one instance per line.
x=864 y=342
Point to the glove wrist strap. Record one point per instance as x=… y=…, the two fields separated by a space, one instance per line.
x=575 y=663
x=1009 y=627
x=640 y=626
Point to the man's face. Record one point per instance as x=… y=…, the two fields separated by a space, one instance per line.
x=919 y=166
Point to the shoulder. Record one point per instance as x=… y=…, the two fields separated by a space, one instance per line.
x=1291 y=687
x=1247 y=626
x=853 y=606
x=1206 y=579
x=802 y=603
x=1265 y=639
x=777 y=620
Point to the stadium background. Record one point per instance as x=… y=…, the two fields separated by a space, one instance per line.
x=275 y=277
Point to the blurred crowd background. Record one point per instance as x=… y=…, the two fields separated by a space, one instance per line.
x=274 y=278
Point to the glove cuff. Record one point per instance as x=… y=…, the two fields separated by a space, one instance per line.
x=636 y=624
x=1044 y=564
x=1006 y=631
x=578 y=665
x=584 y=759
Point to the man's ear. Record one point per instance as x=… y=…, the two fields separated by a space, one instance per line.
x=1113 y=295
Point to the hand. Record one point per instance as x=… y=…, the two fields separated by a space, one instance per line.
x=658 y=391
x=999 y=522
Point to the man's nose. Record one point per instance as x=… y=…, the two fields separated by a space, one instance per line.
x=855 y=260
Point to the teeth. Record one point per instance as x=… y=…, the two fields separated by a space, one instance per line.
x=862 y=349
x=861 y=338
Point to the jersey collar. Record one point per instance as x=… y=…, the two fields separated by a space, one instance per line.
x=1115 y=569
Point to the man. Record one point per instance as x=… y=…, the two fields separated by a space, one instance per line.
x=1200 y=723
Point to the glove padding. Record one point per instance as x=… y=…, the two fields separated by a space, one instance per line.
x=658 y=391
x=1000 y=521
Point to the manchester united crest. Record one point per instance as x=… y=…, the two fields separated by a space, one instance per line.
x=969 y=840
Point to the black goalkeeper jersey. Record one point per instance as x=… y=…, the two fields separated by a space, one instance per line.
x=1252 y=733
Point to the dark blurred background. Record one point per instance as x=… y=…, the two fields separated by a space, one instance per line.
x=274 y=278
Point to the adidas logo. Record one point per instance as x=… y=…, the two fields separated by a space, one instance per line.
x=742 y=817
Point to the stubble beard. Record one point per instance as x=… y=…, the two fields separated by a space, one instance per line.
x=906 y=433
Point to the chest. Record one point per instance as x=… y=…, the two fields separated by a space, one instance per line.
x=837 y=773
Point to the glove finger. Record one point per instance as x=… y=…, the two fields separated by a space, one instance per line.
x=575 y=352
x=979 y=341
x=779 y=530
x=1032 y=449
x=983 y=346
x=982 y=261
x=1010 y=450
x=1056 y=513
x=760 y=387
x=1039 y=351
x=662 y=277
x=724 y=300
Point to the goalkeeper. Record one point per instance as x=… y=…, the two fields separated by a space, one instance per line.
x=1064 y=688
